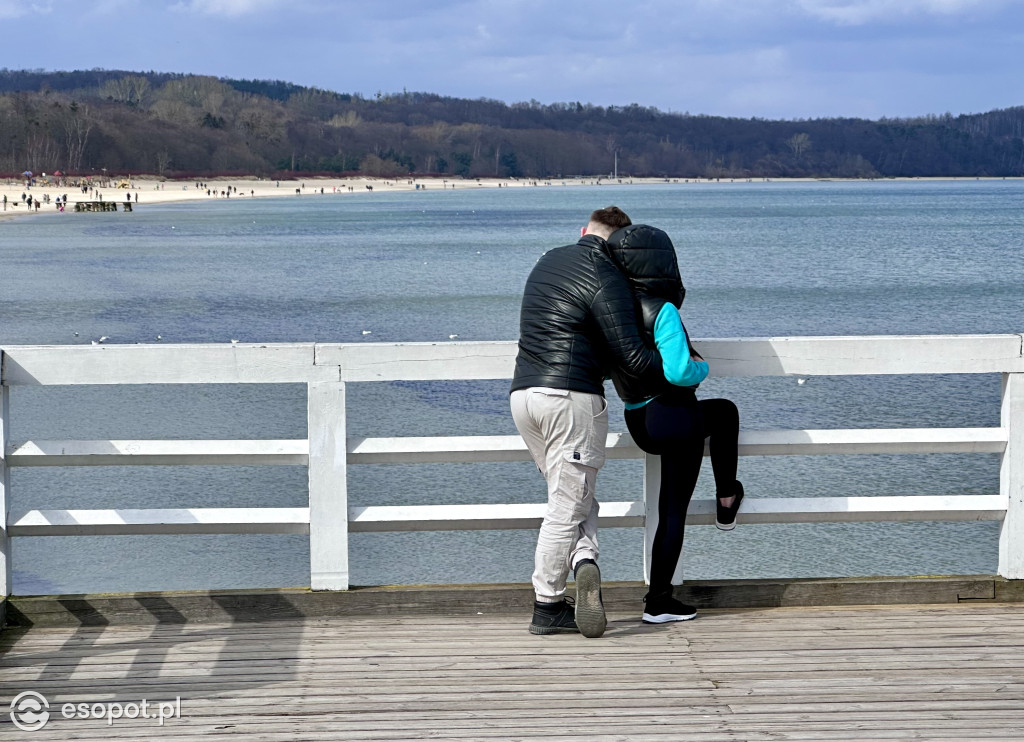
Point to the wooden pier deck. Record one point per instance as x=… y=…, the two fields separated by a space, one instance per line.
x=925 y=672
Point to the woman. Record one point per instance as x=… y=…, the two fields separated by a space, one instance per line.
x=671 y=422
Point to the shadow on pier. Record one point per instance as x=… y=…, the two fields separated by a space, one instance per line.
x=458 y=663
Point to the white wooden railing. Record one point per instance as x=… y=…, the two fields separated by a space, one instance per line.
x=330 y=449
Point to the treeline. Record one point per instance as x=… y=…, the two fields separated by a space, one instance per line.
x=118 y=121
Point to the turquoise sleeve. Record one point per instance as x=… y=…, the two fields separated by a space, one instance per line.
x=670 y=337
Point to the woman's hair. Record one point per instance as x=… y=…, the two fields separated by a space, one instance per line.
x=648 y=259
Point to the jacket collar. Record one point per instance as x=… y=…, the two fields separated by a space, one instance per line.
x=593 y=242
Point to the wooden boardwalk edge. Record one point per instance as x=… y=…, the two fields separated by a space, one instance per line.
x=297 y=603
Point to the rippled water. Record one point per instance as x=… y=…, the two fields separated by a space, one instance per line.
x=764 y=259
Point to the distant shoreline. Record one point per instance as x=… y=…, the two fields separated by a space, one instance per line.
x=152 y=190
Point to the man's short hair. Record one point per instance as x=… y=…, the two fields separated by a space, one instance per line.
x=612 y=217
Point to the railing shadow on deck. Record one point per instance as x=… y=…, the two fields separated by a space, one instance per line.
x=329 y=450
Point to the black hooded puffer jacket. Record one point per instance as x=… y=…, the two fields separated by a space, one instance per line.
x=647 y=257
x=578 y=323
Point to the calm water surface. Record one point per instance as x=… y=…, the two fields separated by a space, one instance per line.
x=762 y=259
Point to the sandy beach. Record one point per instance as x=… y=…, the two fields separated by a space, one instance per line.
x=152 y=190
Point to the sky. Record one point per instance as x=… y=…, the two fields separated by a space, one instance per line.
x=774 y=59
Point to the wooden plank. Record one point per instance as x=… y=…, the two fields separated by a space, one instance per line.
x=433 y=606
x=354 y=638
x=419 y=361
x=701 y=512
x=5 y=494
x=282 y=363
x=328 y=486
x=1011 y=478
x=475 y=449
x=232 y=363
x=393 y=518
x=857 y=509
x=378 y=518
x=804 y=356
x=463 y=449
x=128 y=522
x=335 y=731
x=480 y=449
x=885 y=354
x=329 y=653
x=160 y=453
x=871 y=440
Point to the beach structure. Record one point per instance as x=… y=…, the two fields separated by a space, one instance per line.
x=935 y=657
x=101 y=205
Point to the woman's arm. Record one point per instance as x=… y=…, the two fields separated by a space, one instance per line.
x=681 y=369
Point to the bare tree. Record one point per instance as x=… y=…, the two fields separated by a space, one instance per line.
x=799 y=143
x=163 y=160
x=78 y=122
x=140 y=89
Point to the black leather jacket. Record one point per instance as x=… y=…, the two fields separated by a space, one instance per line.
x=578 y=323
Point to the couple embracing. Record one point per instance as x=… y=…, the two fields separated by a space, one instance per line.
x=608 y=306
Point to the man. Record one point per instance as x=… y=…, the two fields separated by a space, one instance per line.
x=577 y=324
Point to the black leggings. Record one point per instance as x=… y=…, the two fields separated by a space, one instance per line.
x=677 y=433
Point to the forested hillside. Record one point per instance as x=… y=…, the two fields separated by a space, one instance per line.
x=169 y=124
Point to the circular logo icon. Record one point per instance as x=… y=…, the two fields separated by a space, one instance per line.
x=30 y=711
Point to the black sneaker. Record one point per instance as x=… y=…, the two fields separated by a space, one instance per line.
x=725 y=517
x=664 y=608
x=554 y=618
x=589 y=607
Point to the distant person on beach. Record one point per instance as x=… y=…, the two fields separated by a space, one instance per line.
x=671 y=422
x=577 y=324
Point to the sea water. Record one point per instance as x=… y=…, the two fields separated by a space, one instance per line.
x=758 y=259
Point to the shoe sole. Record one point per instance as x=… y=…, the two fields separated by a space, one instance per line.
x=590 y=616
x=731 y=525
x=668 y=617
x=542 y=630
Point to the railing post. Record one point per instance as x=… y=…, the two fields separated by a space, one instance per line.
x=5 y=493
x=652 y=488
x=328 y=486
x=1011 y=478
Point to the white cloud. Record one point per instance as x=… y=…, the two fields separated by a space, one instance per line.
x=860 y=12
x=230 y=8
x=18 y=8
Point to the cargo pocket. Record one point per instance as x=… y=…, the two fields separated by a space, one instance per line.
x=589 y=430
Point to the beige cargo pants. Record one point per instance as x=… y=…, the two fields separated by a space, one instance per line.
x=565 y=432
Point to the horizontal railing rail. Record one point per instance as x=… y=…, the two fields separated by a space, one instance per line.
x=329 y=450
